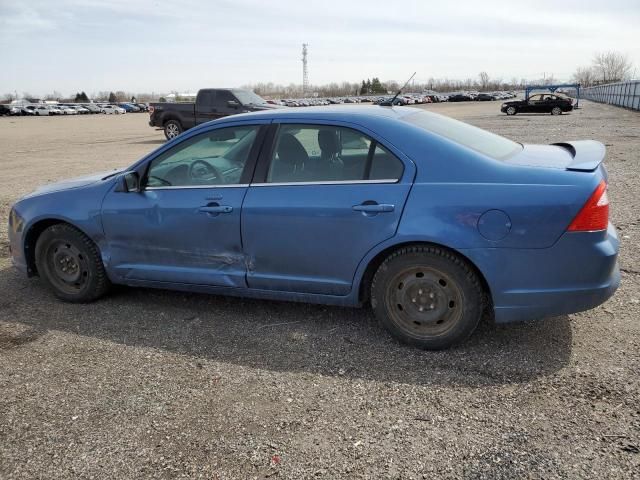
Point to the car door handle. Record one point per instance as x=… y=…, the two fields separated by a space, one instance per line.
x=374 y=207
x=216 y=209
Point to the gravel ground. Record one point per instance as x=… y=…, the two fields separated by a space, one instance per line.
x=154 y=384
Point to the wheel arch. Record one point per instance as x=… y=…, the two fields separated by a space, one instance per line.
x=364 y=290
x=33 y=233
x=167 y=118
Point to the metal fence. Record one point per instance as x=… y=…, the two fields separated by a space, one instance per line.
x=622 y=94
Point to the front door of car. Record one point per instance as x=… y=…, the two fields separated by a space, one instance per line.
x=183 y=226
x=536 y=104
x=323 y=196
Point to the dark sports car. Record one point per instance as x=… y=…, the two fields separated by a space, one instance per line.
x=539 y=103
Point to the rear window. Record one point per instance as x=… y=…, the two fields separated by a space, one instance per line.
x=467 y=135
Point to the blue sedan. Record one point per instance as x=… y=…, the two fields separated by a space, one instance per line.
x=429 y=220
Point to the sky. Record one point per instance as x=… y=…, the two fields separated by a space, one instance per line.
x=160 y=46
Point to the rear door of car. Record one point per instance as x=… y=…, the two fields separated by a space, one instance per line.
x=323 y=195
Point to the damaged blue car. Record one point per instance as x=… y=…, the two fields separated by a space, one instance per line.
x=429 y=220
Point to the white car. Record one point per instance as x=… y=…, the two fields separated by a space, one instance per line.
x=54 y=110
x=66 y=110
x=112 y=109
x=80 y=109
x=41 y=110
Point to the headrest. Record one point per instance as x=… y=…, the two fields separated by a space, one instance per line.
x=329 y=141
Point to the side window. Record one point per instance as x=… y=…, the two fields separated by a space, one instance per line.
x=207 y=98
x=223 y=96
x=385 y=165
x=319 y=153
x=214 y=158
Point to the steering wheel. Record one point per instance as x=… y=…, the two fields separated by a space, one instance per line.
x=206 y=171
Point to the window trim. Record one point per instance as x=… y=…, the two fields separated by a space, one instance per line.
x=247 y=172
x=266 y=157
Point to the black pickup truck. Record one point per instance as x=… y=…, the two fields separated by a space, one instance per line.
x=210 y=104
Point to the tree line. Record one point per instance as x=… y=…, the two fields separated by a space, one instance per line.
x=606 y=67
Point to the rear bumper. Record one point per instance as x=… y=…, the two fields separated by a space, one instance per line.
x=578 y=273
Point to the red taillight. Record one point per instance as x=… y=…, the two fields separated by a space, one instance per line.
x=151 y=109
x=594 y=215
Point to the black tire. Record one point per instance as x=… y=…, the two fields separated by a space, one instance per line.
x=172 y=129
x=556 y=111
x=427 y=297
x=511 y=110
x=70 y=264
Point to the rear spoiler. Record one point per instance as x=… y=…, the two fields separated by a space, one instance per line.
x=587 y=154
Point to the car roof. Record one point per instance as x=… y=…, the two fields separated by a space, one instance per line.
x=331 y=112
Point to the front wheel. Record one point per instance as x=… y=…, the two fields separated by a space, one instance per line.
x=427 y=297
x=70 y=264
x=172 y=129
x=556 y=111
x=511 y=111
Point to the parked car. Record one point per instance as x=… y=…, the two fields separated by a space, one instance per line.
x=483 y=97
x=27 y=110
x=80 y=109
x=109 y=109
x=539 y=103
x=460 y=97
x=129 y=107
x=5 y=109
x=142 y=106
x=66 y=110
x=343 y=206
x=54 y=110
x=92 y=107
x=210 y=104
x=41 y=110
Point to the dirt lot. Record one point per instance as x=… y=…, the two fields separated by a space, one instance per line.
x=158 y=384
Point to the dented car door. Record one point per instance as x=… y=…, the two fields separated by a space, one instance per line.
x=183 y=225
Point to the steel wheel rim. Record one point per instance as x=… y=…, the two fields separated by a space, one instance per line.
x=172 y=130
x=68 y=267
x=556 y=111
x=424 y=302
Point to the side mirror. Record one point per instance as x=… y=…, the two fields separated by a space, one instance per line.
x=129 y=182
x=233 y=104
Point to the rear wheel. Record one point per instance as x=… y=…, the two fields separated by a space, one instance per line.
x=511 y=110
x=172 y=129
x=70 y=264
x=556 y=111
x=427 y=297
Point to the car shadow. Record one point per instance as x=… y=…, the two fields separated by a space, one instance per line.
x=285 y=337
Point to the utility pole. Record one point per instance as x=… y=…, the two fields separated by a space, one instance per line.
x=305 y=72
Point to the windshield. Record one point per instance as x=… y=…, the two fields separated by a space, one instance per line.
x=464 y=134
x=247 y=97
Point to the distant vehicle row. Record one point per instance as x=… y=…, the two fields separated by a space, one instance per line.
x=404 y=99
x=41 y=109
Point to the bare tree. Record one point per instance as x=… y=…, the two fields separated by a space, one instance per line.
x=585 y=76
x=484 y=80
x=8 y=98
x=612 y=66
